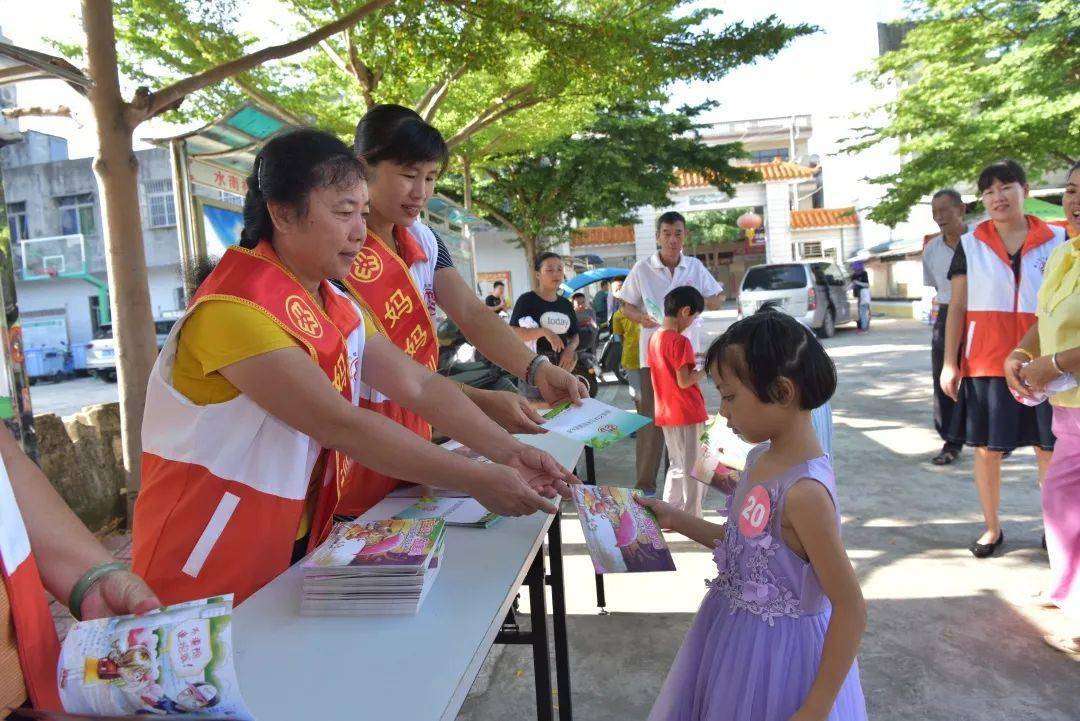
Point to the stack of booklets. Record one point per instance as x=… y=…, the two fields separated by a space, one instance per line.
x=371 y=568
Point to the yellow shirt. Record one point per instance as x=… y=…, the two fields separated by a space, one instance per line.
x=219 y=333
x=1059 y=310
x=12 y=683
x=631 y=333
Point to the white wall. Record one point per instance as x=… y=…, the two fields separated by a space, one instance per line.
x=778 y=223
x=68 y=295
x=72 y=297
x=830 y=238
x=496 y=252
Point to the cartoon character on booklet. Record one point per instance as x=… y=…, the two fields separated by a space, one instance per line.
x=131 y=670
x=637 y=549
x=194 y=697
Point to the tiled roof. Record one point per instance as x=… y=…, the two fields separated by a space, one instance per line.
x=609 y=235
x=771 y=172
x=824 y=218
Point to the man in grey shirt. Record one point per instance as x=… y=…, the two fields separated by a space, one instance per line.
x=948 y=208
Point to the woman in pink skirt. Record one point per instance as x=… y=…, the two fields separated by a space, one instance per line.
x=1041 y=363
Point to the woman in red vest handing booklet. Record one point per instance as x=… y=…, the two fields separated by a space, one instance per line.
x=404 y=272
x=43 y=545
x=252 y=419
x=996 y=274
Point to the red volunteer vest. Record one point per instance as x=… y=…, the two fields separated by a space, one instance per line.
x=225 y=485
x=35 y=635
x=1000 y=308
x=381 y=282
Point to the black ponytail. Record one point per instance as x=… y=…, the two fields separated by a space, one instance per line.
x=286 y=170
x=398 y=134
x=257 y=222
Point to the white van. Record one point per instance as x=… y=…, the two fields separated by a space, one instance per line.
x=817 y=293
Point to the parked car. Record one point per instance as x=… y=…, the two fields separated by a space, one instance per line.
x=817 y=293
x=101 y=352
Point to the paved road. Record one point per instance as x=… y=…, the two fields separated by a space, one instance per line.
x=949 y=638
x=70 y=397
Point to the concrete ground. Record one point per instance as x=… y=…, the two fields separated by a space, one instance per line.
x=71 y=396
x=950 y=637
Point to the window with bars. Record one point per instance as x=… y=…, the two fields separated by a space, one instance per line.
x=77 y=214
x=17 y=221
x=159 y=203
x=811 y=249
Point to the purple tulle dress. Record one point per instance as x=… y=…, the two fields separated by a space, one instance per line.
x=753 y=650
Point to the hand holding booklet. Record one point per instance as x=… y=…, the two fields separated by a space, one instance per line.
x=176 y=661
x=593 y=423
x=621 y=534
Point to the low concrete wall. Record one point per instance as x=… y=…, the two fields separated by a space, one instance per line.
x=82 y=458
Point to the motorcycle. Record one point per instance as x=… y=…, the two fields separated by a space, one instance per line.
x=462 y=363
x=610 y=354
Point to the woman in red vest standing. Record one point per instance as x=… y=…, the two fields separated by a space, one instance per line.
x=404 y=272
x=251 y=419
x=43 y=545
x=996 y=274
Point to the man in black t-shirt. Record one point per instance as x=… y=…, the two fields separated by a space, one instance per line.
x=497 y=300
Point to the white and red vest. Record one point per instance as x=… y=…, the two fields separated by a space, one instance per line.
x=1000 y=310
x=224 y=485
x=396 y=285
x=35 y=634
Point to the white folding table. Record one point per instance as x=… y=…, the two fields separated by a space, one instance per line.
x=410 y=667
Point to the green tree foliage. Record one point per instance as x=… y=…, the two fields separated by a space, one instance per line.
x=978 y=80
x=626 y=159
x=714 y=227
x=496 y=76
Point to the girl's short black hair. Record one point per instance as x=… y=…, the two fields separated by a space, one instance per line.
x=685 y=296
x=542 y=257
x=577 y=295
x=1005 y=171
x=399 y=134
x=762 y=348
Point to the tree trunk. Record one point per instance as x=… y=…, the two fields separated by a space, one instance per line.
x=125 y=256
x=528 y=244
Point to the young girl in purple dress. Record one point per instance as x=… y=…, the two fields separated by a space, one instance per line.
x=776 y=637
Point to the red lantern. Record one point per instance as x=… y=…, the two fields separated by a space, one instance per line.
x=749 y=222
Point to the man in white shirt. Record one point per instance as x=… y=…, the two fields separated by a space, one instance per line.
x=642 y=296
x=948 y=208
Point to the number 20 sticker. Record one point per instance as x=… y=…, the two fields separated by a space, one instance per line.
x=754 y=516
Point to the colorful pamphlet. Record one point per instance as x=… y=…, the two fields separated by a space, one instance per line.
x=654 y=309
x=621 y=534
x=720 y=452
x=593 y=423
x=373 y=568
x=465 y=512
x=176 y=661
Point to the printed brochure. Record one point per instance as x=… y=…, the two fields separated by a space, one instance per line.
x=176 y=661
x=621 y=535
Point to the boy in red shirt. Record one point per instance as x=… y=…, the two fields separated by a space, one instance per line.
x=680 y=407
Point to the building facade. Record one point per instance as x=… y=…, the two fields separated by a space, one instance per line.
x=51 y=197
x=789 y=198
